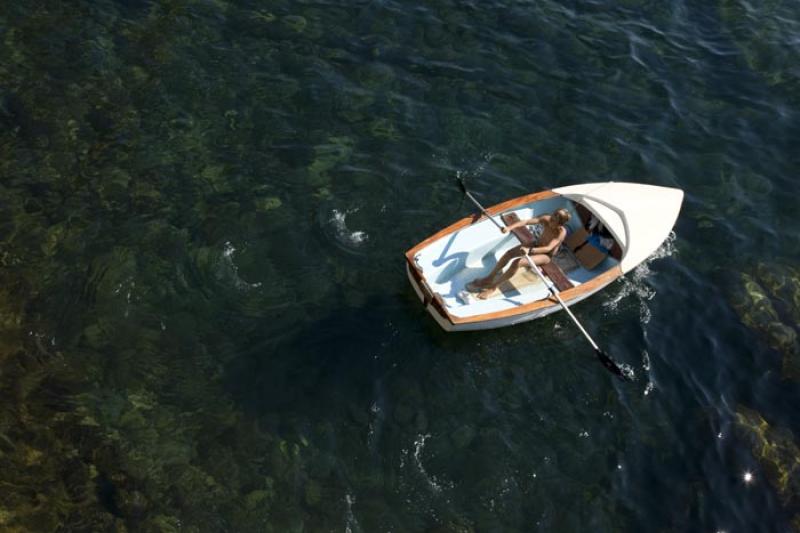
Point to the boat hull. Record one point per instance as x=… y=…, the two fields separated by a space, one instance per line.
x=449 y=325
x=639 y=217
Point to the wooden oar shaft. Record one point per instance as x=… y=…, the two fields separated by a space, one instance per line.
x=478 y=204
x=554 y=292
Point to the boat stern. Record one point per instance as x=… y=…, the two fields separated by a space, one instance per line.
x=433 y=302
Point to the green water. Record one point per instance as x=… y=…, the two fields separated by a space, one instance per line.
x=205 y=323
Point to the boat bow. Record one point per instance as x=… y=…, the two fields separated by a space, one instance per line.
x=639 y=216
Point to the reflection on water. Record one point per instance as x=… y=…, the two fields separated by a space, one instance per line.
x=205 y=320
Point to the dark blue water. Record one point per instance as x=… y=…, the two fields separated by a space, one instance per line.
x=206 y=324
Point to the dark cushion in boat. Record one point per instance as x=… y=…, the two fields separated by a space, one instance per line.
x=554 y=272
x=523 y=234
x=576 y=238
x=588 y=255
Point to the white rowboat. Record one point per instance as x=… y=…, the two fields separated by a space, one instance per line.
x=637 y=219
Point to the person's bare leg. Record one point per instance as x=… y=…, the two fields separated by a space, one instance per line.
x=506 y=257
x=538 y=260
x=489 y=290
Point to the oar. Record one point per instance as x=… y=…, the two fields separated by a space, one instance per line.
x=604 y=358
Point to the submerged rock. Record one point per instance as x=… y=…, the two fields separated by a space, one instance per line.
x=258 y=498
x=783 y=284
x=268 y=203
x=10 y=323
x=382 y=128
x=216 y=178
x=132 y=504
x=775 y=450
x=297 y=23
x=263 y=16
x=759 y=311
x=763 y=40
x=313 y=493
x=353 y=103
x=336 y=151
x=755 y=303
x=376 y=75
x=164 y=524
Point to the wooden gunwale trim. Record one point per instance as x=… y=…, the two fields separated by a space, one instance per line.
x=467 y=221
x=606 y=277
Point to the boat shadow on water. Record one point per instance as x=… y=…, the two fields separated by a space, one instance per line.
x=323 y=366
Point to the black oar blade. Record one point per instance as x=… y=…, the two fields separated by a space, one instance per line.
x=612 y=366
x=461 y=185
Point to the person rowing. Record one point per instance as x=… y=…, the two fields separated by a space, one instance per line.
x=549 y=232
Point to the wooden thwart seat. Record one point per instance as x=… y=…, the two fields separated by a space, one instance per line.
x=551 y=269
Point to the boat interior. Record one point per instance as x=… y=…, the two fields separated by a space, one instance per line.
x=451 y=262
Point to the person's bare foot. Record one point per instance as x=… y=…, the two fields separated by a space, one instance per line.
x=476 y=285
x=486 y=293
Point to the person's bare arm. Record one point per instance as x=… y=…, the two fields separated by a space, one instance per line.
x=550 y=246
x=520 y=223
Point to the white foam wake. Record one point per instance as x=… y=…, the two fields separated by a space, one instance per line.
x=228 y=269
x=635 y=285
x=350 y=523
x=434 y=483
x=343 y=233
